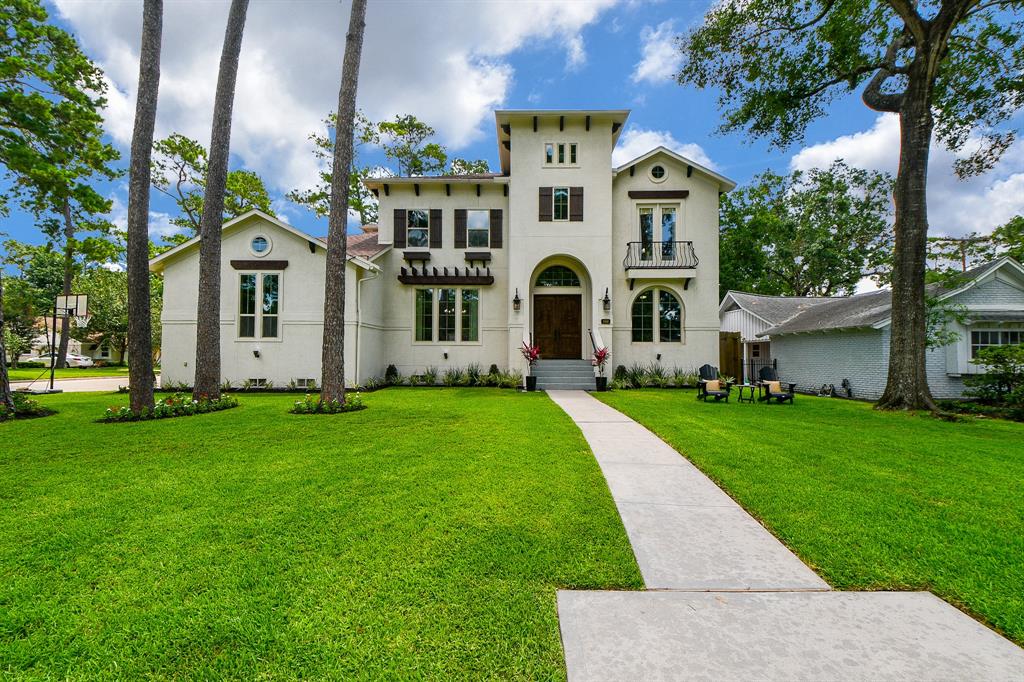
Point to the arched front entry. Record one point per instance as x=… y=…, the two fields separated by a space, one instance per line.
x=560 y=315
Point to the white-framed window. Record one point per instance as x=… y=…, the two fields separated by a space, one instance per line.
x=985 y=338
x=755 y=350
x=478 y=228
x=259 y=303
x=561 y=153
x=559 y=203
x=418 y=228
x=659 y=224
x=447 y=315
x=657 y=314
x=103 y=352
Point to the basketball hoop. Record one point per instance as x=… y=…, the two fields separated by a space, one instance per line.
x=81 y=321
x=73 y=305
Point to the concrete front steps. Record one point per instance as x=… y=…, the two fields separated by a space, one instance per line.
x=564 y=375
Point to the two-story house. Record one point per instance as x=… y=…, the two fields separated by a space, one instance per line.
x=559 y=248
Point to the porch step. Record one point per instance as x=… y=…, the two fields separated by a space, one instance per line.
x=565 y=375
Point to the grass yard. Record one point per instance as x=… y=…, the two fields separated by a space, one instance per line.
x=871 y=500
x=424 y=537
x=43 y=373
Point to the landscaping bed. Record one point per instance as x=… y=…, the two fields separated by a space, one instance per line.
x=872 y=500
x=424 y=537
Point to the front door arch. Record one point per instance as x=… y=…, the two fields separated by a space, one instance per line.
x=559 y=310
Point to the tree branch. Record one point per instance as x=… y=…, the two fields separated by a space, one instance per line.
x=873 y=95
x=916 y=25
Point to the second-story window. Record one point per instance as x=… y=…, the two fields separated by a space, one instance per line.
x=478 y=229
x=418 y=227
x=560 y=153
x=560 y=203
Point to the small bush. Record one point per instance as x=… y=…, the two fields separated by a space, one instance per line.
x=391 y=375
x=429 y=376
x=312 y=404
x=1003 y=380
x=657 y=375
x=636 y=376
x=493 y=370
x=473 y=374
x=24 y=408
x=511 y=379
x=177 y=405
x=29 y=365
x=454 y=377
x=620 y=374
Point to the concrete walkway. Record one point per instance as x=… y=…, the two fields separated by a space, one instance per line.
x=733 y=601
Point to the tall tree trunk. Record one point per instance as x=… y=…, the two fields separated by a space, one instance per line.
x=907 y=385
x=208 y=379
x=69 y=264
x=333 y=358
x=140 y=330
x=5 y=384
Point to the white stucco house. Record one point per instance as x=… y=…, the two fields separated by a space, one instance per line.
x=559 y=247
x=824 y=341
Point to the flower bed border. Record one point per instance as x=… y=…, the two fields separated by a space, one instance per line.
x=176 y=405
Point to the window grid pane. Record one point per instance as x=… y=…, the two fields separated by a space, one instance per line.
x=643 y=317
x=572 y=153
x=558 y=276
x=560 y=201
x=424 y=314
x=470 y=314
x=561 y=153
x=247 y=306
x=669 y=314
x=549 y=153
x=418 y=228
x=478 y=225
x=446 y=315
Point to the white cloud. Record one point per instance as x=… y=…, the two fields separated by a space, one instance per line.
x=661 y=58
x=955 y=207
x=444 y=62
x=160 y=225
x=635 y=142
x=575 y=53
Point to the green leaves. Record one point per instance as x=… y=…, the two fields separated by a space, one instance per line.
x=809 y=233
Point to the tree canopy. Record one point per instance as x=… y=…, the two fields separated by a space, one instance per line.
x=814 y=233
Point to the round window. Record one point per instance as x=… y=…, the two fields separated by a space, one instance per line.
x=658 y=172
x=259 y=245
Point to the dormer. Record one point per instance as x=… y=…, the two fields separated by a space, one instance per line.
x=558 y=137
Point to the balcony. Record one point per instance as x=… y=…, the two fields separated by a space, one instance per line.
x=660 y=260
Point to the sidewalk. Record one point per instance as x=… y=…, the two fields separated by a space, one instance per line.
x=733 y=602
x=83 y=385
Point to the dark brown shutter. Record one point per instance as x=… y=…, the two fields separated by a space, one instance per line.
x=576 y=203
x=460 y=228
x=496 y=231
x=545 y=205
x=400 y=228
x=435 y=228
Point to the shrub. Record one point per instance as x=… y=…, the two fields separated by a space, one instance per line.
x=454 y=376
x=225 y=386
x=492 y=378
x=1003 y=380
x=430 y=376
x=24 y=408
x=30 y=365
x=511 y=379
x=657 y=375
x=473 y=374
x=176 y=405
x=312 y=404
x=620 y=374
x=391 y=375
x=493 y=370
x=636 y=376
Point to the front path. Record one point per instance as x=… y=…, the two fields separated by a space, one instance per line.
x=733 y=602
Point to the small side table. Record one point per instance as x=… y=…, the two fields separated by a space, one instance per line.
x=746 y=393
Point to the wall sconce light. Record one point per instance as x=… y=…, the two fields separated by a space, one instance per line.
x=659 y=357
x=256 y=353
x=445 y=352
x=606 y=300
x=517 y=302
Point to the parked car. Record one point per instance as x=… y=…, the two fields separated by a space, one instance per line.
x=74 y=360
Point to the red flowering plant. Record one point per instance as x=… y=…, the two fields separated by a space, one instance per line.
x=599 y=359
x=530 y=353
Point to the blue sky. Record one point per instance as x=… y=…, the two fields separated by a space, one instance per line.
x=452 y=63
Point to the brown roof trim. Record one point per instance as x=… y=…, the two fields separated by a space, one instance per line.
x=659 y=194
x=259 y=264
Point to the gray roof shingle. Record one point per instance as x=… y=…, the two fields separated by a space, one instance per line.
x=775 y=309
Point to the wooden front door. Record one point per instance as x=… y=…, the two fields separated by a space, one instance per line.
x=557 y=326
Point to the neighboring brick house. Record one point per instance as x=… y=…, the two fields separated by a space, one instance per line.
x=847 y=338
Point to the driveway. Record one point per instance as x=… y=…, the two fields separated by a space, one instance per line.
x=84 y=385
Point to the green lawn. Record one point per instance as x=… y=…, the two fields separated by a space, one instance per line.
x=424 y=537
x=32 y=373
x=871 y=500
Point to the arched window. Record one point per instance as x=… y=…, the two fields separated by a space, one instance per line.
x=558 y=276
x=667 y=325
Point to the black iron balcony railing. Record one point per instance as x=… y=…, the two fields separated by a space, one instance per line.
x=660 y=255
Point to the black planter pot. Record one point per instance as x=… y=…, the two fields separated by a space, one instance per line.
x=602 y=383
x=531 y=383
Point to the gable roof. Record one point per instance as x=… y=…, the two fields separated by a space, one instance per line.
x=366 y=248
x=772 y=310
x=726 y=184
x=874 y=309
